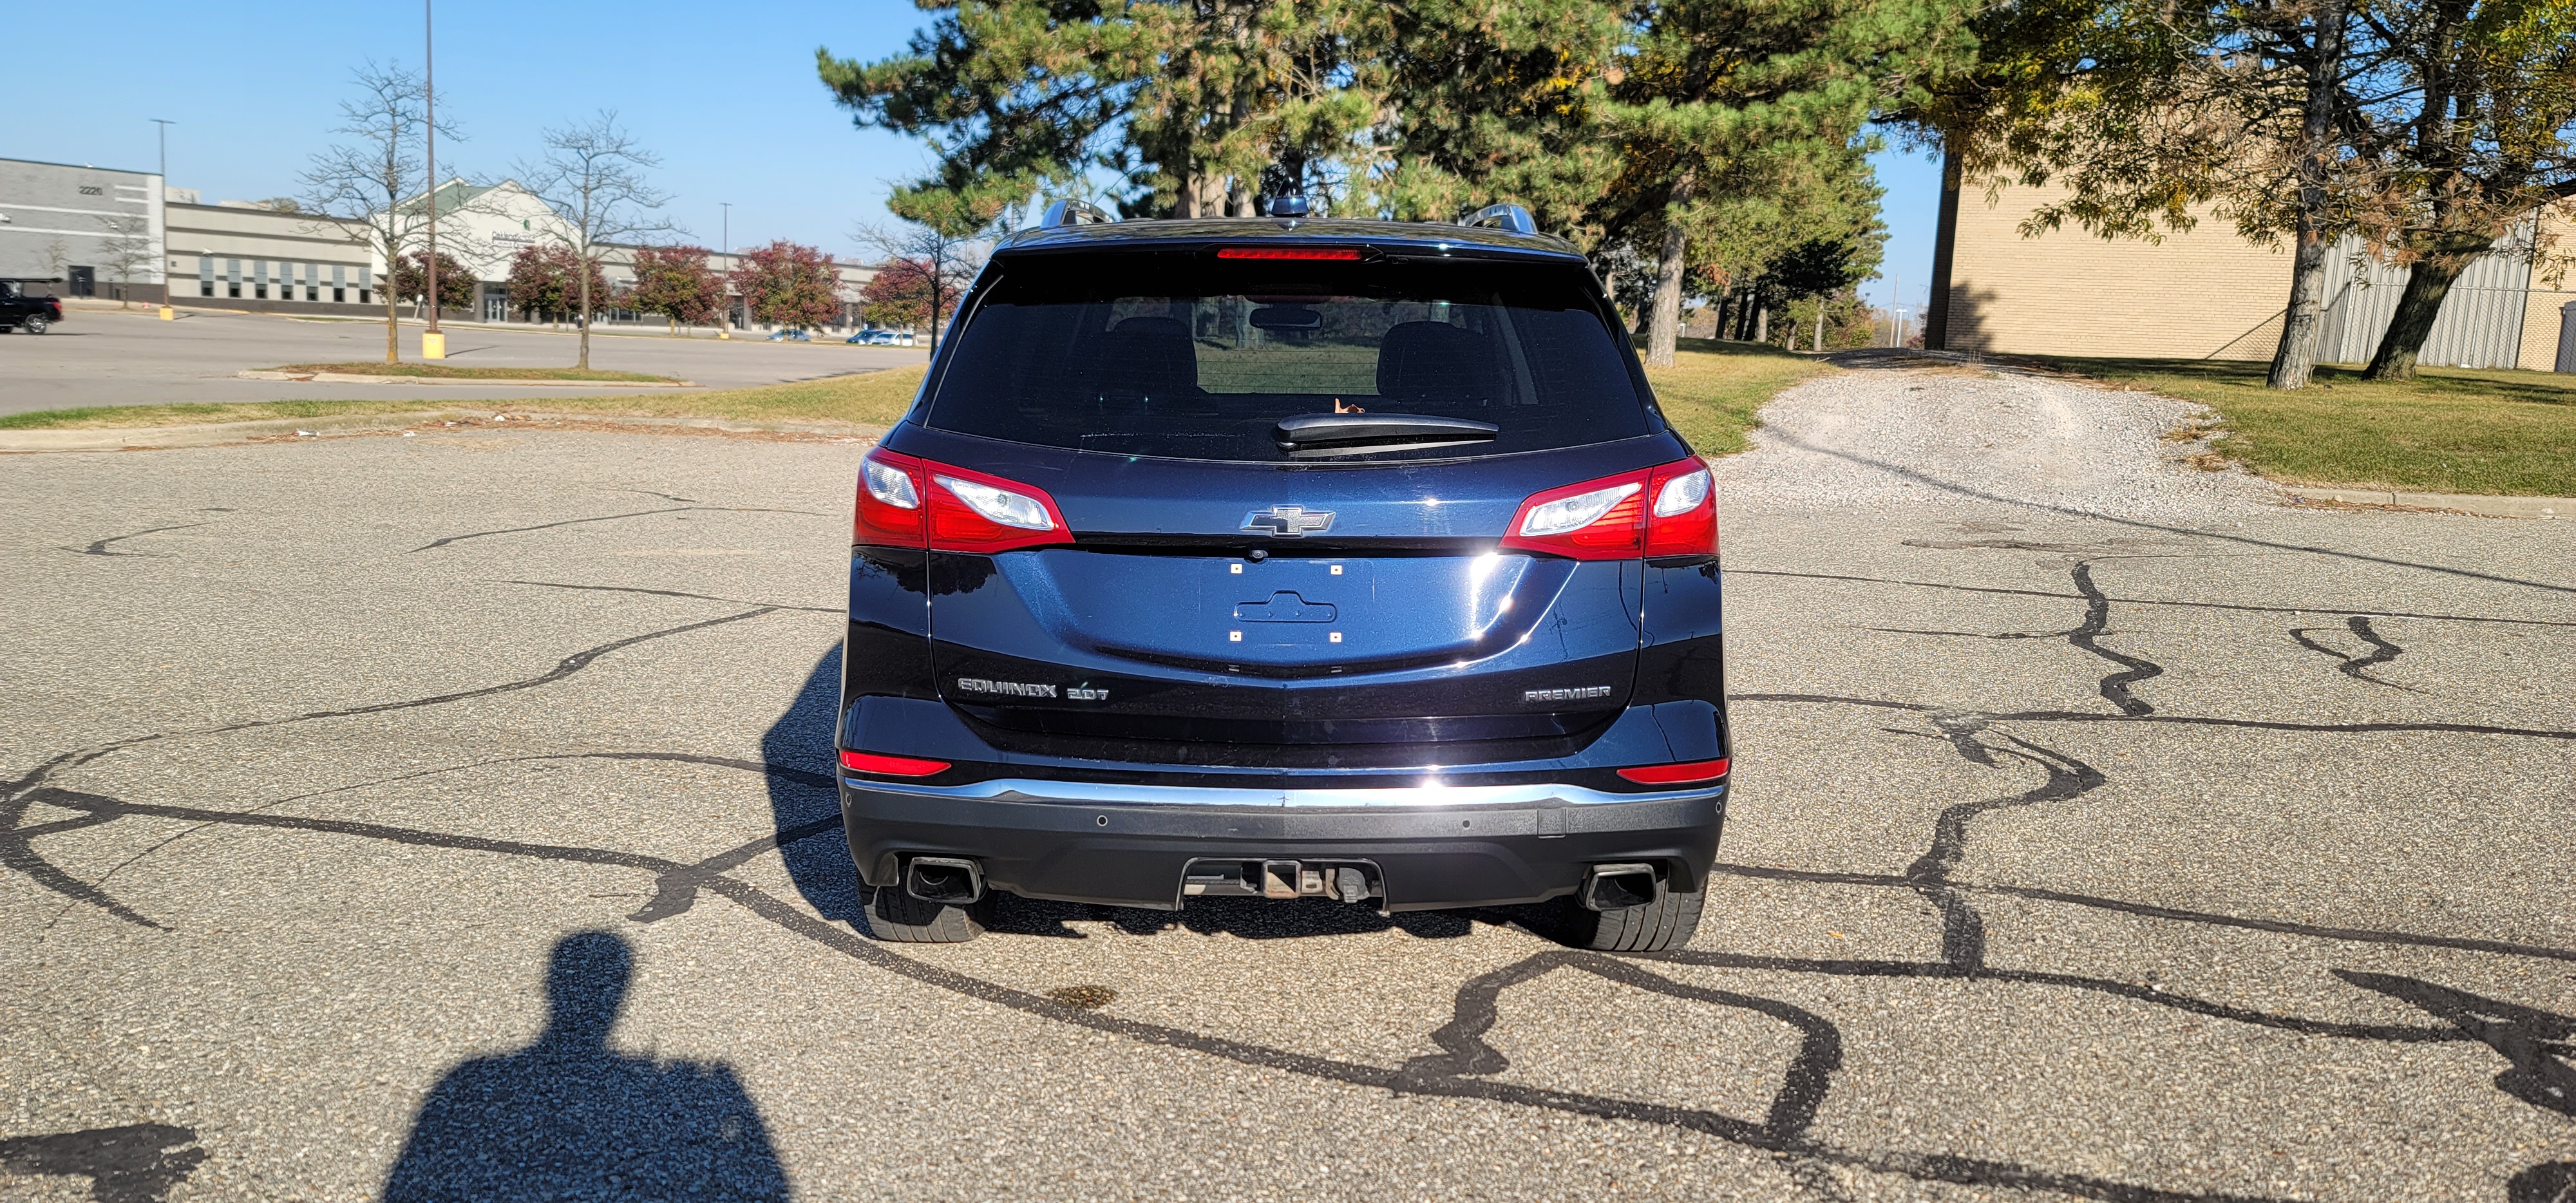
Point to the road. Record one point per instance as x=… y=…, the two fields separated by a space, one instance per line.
x=446 y=817
x=113 y=357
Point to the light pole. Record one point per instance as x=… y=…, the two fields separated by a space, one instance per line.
x=163 y=129
x=433 y=342
x=724 y=321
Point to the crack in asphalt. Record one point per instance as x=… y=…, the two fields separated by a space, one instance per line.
x=2358 y=935
x=1963 y=930
x=670 y=593
x=2097 y=620
x=99 y=548
x=674 y=509
x=2140 y=523
x=2356 y=667
x=2534 y=1042
x=2187 y=720
x=17 y=849
x=1792 y=1107
x=1956 y=587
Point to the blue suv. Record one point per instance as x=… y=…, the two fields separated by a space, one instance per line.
x=1285 y=559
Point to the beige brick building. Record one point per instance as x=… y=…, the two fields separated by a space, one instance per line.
x=2206 y=294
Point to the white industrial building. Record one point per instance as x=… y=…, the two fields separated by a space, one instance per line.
x=65 y=224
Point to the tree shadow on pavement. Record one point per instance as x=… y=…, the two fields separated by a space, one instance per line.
x=569 y=1118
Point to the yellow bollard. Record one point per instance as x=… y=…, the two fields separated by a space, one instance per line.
x=168 y=314
x=433 y=344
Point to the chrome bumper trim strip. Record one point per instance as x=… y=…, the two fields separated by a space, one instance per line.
x=1020 y=789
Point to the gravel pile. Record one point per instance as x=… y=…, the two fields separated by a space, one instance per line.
x=1929 y=435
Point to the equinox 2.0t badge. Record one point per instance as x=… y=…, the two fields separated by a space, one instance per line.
x=1289 y=521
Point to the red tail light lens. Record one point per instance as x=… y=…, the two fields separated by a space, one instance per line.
x=1677 y=774
x=1682 y=518
x=1664 y=511
x=909 y=502
x=971 y=511
x=891 y=766
x=889 y=511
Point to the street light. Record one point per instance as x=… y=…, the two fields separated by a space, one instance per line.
x=164 y=124
x=724 y=321
x=433 y=342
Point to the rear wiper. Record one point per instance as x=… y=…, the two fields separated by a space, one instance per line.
x=1346 y=434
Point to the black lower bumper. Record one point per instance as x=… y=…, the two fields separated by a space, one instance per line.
x=1135 y=853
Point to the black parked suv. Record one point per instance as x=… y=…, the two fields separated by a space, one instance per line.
x=32 y=314
x=1277 y=558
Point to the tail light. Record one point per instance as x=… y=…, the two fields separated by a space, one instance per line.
x=890 y=766
x=889 y=509
x=1662 y=511
x=1689 y=773
x=909 y=502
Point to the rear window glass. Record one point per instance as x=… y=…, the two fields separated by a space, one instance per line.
x=1189 y=356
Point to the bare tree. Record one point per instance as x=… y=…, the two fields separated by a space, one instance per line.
x=56 y=255
x=125 y=243
x=950 y=251
x=365 y=186
x=592 y=176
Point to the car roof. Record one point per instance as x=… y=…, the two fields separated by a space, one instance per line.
x=1409 y=238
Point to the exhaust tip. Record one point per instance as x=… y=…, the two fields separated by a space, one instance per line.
x=947 y=879
x=1619 y=887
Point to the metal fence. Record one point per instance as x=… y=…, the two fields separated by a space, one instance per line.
x=2481 y=321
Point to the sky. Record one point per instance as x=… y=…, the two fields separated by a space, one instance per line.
x=727 y=97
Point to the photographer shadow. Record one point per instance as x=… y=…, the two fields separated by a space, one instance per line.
x=569 y=1118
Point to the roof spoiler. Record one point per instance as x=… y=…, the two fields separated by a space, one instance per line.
x=1511 y=219
x=1071 y=212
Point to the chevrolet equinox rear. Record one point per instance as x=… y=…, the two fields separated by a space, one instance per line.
x=1285 y=559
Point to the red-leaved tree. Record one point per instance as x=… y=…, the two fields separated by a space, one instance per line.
x=547 y=280
x=904 y=291
x=789 y=284
x=455 y=282
x=676 y=282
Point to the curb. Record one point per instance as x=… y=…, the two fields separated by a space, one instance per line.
x=2466 y=503
x=352 y=378
x=219 y=433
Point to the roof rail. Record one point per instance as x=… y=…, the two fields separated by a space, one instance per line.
x=1511 y=219
x=1071 y=212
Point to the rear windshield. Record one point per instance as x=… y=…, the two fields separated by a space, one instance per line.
x=1188 y=356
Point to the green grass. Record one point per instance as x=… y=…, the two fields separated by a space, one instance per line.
x=1713 y=388
x=448 y=371
x=869 y=398
x=2450 y=430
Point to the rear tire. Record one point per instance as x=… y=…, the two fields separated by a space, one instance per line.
x=899 y=918
x=1667 y=923
x=33 y=324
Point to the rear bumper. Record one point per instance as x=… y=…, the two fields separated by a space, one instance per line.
x=1127 y=845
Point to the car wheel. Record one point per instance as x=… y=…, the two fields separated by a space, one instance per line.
x=34 y=324
x=900 y=918
x=1666 y=923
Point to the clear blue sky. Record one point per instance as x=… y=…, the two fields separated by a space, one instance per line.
x=727 y=95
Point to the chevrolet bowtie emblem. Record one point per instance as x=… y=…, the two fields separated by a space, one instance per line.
x=1289 y=521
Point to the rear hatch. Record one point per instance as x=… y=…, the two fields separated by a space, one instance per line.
x=1266 y=501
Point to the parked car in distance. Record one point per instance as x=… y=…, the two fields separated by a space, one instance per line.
x=789 y=336
x=880 y=338
x=20 y=311
x=1325 y=560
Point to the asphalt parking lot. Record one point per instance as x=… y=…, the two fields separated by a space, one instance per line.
x=117 y=357
x=448 y=817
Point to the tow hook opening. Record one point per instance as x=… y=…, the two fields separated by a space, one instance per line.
x=1346 y=881
x=1619 y=887
x=948 y=879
